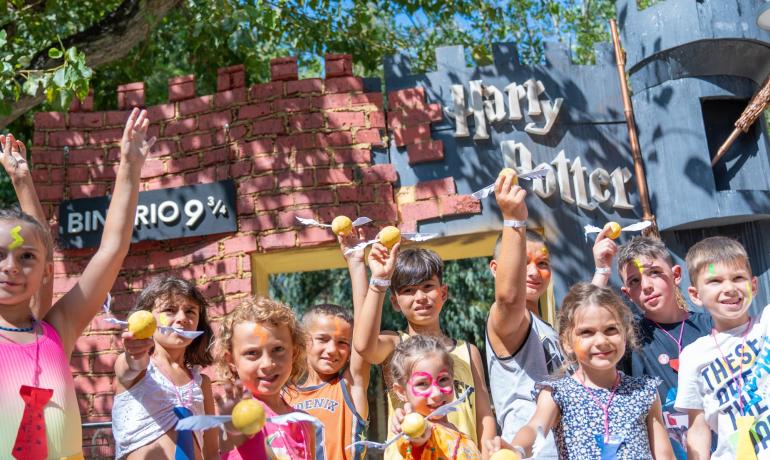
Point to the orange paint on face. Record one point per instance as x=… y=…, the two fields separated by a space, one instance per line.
x=262 y=334
x=538 y=259
x=581 y=353
x=339 y=327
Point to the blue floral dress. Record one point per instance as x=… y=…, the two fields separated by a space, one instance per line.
x=582 y=419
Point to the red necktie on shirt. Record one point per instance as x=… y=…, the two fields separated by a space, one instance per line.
x=31 y=443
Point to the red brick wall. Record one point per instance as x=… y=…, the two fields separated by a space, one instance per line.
x=294 y=147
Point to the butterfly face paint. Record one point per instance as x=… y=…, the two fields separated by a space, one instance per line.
x=421 y=384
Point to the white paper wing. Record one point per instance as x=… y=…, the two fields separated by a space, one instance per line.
x=359 y=246
x=373 y=444
x=115 y=321
x=591 y=229
x=294 y=417
x=447 y=408
x=637 y=227
x=180 y=332
x=484 y=192
x=107 y=303
x=536 y=174
x=361 y=221
x=418 y=236
x=202 y=422
x=305 y=221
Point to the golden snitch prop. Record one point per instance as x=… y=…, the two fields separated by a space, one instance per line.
x=414 y=424
x=490 y=189
x=142 y=323
x=389 y=236
x=248 y=417
x=616 y=229
x=505 y=454
x=341 y=225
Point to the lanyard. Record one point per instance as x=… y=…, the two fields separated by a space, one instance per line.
x=738 y=381
x=677 y=341
x=605 y=408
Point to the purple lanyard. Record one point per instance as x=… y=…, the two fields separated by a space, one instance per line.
x=605 y=408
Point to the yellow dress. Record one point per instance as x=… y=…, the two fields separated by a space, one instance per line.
x=444 y=444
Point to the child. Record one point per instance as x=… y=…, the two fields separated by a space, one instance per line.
x=418 y=293
x=651 y=281
x=153 y=387
x=335 y=389
x=40 y=387
x=521 y=348
x=598 y=412
x=422 y=376
x=723 y=377
x=262 y=343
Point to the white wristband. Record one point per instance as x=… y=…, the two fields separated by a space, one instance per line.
x=603 y=270
x=519 y=450
x=515 y=223
x=379 y=282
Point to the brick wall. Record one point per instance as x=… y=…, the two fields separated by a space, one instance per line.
x=294 y=147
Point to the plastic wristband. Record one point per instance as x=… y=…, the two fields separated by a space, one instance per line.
x=519 y=450
x=379 y=282
x=603 y=270
x=515 y=223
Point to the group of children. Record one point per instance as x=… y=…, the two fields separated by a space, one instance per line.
x=604 y=384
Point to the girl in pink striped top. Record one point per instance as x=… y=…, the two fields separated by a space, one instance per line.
x=37 y=391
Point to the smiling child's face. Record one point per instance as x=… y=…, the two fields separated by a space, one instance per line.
x=261 y=356
x=430 y=385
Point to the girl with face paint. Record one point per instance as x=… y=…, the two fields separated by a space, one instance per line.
x=604 y=413
x=422 y=374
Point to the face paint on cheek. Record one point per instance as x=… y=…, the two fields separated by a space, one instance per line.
x=163 y=319
x=18 y=240
x=581 y=353
x=750 y=297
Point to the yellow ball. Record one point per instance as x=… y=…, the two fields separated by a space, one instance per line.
x=342 y=226
x=510 y=172
x=389 y=236
x=413 y=425
x=248 y=417
x=505 y=454
x=614 y=230
x=142 y=324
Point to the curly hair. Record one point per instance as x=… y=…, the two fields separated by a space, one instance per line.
x=585 y=294
x=165 y=289
x=262 y=310
x=411 y=350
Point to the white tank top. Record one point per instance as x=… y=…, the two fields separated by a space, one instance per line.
x=145 y=412
x=512 y=379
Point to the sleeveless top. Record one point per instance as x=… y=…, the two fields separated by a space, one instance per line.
x=331 y=403
x=464 y=418
x=512 y=378
x=41 y=364
x=288 y=441
x=444 y=444
x=145 y=412
x=582 y=419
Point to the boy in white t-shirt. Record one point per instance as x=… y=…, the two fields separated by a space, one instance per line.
x=724 y=377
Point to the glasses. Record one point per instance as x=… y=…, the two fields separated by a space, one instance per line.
x=422 y=383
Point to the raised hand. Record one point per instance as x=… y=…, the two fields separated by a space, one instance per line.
x=349 y=241
x=382 y=262
x=510 y=198
x=604 y=249
x=134 y=146
x=14 y=158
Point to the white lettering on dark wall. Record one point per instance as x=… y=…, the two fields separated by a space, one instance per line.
x=570 y=179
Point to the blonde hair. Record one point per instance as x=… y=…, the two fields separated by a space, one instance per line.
x=262 y=310
x=715 y=250
x=408 y=352
x=585 y=294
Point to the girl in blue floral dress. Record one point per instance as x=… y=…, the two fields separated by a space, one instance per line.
x=598 y=412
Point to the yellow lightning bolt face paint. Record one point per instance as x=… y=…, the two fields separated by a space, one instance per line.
x=163 y=319
x=638 y=265
x=18 y=240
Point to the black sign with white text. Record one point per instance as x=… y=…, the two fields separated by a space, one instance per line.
x=165 y=214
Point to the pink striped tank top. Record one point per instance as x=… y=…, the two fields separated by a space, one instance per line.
x=62 y=416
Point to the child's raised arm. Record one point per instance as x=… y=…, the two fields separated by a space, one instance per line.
x=359 y=367
x=604 y=251
x=367 y=340
x=509 y=312
x=660 y=444
x=72 y=313
x=14 y=160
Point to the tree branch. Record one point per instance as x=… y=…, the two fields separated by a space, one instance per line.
x=106 y=41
